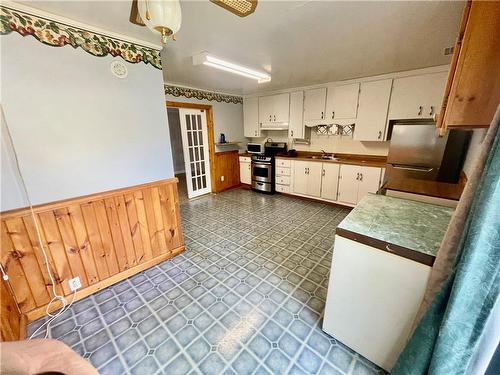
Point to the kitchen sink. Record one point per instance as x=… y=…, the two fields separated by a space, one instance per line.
x=323 y=157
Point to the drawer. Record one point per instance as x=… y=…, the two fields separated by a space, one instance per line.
x=283 y=180
x=245 y=159
x=283 y=189
x=283 y=163
x=281 y=171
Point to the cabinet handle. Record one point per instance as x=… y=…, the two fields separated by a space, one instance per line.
x=379 y=134
x=305 y=170
x=323 y=172
x=431 y=111
x=333 y=115
x=357 y=176
x=270 y=118
x=291 y=133
x=274 y=117
x=420 y=108
x=322 y=114
x=361 y=177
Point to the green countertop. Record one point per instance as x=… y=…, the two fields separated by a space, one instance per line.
x=412 y=225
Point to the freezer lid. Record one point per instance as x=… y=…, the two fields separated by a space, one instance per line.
x=416 y=144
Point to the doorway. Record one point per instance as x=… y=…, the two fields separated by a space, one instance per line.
x=191 y=136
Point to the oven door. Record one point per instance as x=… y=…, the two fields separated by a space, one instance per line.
x=262 y=172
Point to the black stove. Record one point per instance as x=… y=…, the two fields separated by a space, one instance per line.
x=263 y=167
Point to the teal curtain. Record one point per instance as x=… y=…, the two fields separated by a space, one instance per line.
x=449 y=332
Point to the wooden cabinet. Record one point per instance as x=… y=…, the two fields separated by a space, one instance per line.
x=417 y=97
x=356 y=181
x=296 y=125
x=274 y=109
x=342 y=102
x=307 y=178
x=473 y=88
x=372 y=112
x=251 y=117
x=314 y=106
x=245 y=170
x=329 y=181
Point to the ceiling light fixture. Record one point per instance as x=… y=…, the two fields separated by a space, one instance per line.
x=161 y=16
x=209 y=60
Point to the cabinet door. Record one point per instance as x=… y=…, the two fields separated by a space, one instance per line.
x=300 y=176
x=412 y=97
x=372 y=112
x=245 y=173
x=348 y=184
x=369 y=181
x=342 y=101
x=251 y=117
x=314 y=105
x=330 y=181
x=281 y=107
x=314 y=178
x=296 y=125
x=265 y=109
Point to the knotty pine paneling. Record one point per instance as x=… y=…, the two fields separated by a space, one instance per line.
x=102 y=238
x=227 y=164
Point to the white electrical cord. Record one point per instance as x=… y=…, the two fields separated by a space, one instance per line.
x=57 y=297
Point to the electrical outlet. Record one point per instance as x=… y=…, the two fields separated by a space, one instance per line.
x=222 y=178
x=74 y=284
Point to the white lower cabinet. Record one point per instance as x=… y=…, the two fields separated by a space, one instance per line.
x=357 y=181
x=283 y=176
x=330 y=181
x=307 y=178
x=245 y=170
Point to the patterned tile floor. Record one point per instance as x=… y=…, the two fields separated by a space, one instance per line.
x=246 y=297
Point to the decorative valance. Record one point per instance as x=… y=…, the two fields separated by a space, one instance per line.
x=58 y=34
x=202 y=94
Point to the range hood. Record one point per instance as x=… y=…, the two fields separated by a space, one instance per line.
x=274 y=126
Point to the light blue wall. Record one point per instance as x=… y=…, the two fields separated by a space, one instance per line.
x=77 y=128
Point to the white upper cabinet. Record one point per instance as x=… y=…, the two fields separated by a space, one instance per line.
x=372 y=112
x=296 y=125
x=417 y=97
x=342 y=102
x=251 y=126
x=274 y=109
x=314 y=106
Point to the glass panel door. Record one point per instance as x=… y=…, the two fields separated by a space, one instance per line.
x=195 y=144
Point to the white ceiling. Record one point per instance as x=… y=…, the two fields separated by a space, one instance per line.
x=298 y=42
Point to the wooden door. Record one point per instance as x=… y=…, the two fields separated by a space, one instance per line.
x=300 y=177
x=281 y=107
x=475 y=82
x=251 y=117
x=195 y=144
x=265 y=109
x=348 y=184
x=412 y=97
x=330 y=181
x=369 y=181
x=342 y=102
x=314 y=178
x=296 y=125
x=372 y=112
x=314 y=105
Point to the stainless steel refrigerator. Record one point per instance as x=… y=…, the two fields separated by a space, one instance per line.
x=416 y=151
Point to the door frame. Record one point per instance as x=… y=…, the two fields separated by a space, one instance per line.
x=210 y=130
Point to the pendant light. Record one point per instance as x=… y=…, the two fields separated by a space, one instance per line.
x=161 y=16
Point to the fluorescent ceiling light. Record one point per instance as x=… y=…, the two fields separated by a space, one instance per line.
x=215 y=62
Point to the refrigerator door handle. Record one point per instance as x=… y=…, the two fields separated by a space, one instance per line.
x=410 y=168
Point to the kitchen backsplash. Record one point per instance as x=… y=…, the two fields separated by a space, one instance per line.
x=332 y=144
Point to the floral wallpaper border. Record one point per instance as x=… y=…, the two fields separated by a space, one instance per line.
x=57 y=34
x=201 y=94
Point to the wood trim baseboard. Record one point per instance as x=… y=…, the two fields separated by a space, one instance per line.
x=40 y=312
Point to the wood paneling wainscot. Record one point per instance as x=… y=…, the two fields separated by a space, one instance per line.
x=102 y=238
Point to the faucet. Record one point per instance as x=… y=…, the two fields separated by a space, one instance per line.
x=323 y=153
